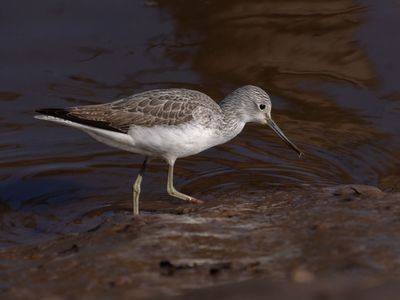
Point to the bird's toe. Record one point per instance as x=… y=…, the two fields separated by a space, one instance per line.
x=195 y=201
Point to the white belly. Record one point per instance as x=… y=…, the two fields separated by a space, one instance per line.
x=173 y=142
x=168 y=142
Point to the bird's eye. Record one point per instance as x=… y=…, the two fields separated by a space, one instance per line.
x=262 y=106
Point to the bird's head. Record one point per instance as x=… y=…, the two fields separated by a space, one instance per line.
x=253 y=104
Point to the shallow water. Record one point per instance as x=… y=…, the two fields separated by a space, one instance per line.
x=331 y=69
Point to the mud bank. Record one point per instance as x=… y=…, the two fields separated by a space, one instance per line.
x=338 y=240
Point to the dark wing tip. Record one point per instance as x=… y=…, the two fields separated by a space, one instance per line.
x=54 y=112
x=65 y=114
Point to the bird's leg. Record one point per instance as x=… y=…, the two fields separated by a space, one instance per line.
x=173 y=192
x=136 y=187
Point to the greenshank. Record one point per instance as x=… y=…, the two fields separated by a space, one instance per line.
x=169 y=124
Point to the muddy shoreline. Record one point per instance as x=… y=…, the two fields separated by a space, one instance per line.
x=267 y=226
x=299 y=236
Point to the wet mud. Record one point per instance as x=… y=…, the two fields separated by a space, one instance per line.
x=311 y=240
x=271 y=224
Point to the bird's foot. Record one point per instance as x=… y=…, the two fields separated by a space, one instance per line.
x=194 y=200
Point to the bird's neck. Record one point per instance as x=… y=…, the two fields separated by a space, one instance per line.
x=232 y=110
x=233 y=122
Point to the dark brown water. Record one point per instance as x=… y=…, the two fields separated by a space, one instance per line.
x=331 y=68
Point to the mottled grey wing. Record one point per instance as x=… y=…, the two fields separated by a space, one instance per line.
x=158 y=107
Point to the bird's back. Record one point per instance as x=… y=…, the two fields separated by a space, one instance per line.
x=166 y=107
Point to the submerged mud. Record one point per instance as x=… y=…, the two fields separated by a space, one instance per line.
x=269 y=219
x=283 y=238
x=332 y=81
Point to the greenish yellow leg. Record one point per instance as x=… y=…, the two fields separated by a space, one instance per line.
x=136 y=188
x=174 y=193
x=136 y=194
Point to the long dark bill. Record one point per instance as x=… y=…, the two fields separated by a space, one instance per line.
x=279 y=132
